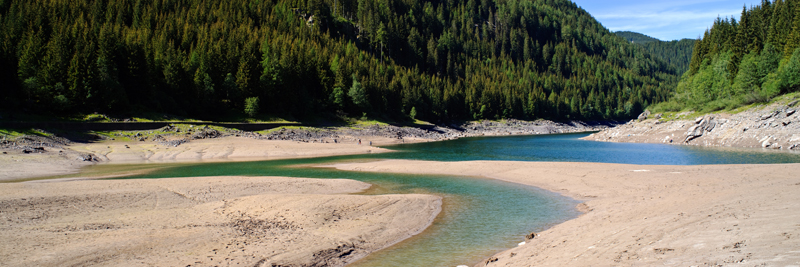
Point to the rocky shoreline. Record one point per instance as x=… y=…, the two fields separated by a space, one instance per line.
x=775 y=126
x=174 y=136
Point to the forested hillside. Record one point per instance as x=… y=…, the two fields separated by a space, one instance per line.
x=741 y=62
x=434 y=60
x=676 y=52
x=635 y=37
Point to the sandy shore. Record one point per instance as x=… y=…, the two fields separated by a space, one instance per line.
x=203 y=221
x=16 y=165
x=635 y=215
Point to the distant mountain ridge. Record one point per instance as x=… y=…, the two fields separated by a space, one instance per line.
x=635 y=37
x=677 y=53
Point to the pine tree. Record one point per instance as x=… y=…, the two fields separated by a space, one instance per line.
x=793 y=41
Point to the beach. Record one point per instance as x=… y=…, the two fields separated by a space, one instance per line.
x=632 y=214
x=636 y=215
x=17 y=165
x=203 y=221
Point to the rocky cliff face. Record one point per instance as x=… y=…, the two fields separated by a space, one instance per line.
x=776 y=126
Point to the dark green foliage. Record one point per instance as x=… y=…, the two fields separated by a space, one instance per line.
x=678 y=53
x=251 y=106
x=443 y=59
x=742 y=62
x=636 y=38
x=358 y=95
x=789 y=74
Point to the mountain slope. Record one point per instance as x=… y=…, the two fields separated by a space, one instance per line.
x=440 y=59
x=635 y=37
x=677 y=53
x=742 y=62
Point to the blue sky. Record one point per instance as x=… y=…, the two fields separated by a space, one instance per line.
x=665 y=20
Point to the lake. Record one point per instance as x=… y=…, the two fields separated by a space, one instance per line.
x=480 y=216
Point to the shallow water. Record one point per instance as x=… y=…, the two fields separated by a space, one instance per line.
x=480 y=216
x=570 y=148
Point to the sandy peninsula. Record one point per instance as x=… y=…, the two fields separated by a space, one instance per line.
x=203 y=221
x=721 y=215
x=17 y=165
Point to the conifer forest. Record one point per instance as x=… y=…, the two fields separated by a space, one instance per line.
x=443 y=60
x=745 y=61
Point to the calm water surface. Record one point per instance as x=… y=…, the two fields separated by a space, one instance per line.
x=480 y=216
x=569 y=147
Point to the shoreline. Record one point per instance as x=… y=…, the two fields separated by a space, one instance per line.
x=614 y=194
x=223 y=220
x=772 y=127
x=646 y=215
x=29 y=157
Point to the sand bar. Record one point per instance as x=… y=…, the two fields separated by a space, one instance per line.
x=636 y=215
x=203 y=221
x=16 y=165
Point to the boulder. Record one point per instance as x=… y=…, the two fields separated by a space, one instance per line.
x=693 y=132
x=770 y=115
x=87 y=157
x=644 y=115
x=530 y=236
x=766 y=144
x=709 y=125
x=704 y=124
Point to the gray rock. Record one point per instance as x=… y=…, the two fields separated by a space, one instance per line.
x=644 y=115
x=770 y=115
x=693 y=132
x=766 y=144
x=709 y=125
x=87 y=157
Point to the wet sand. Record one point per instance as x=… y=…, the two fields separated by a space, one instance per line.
x=638 y=215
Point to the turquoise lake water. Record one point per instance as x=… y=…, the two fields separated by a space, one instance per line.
x=569 y=148
x=480 y=216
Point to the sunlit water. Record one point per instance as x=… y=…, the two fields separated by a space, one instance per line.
x=480 y=216
x=570 y=148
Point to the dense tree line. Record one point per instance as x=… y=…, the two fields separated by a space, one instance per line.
x=740 y=62
x=635 y=37
x=439 y=60
x=677 y=52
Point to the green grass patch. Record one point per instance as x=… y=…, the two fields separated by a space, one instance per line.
x=14 y=133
